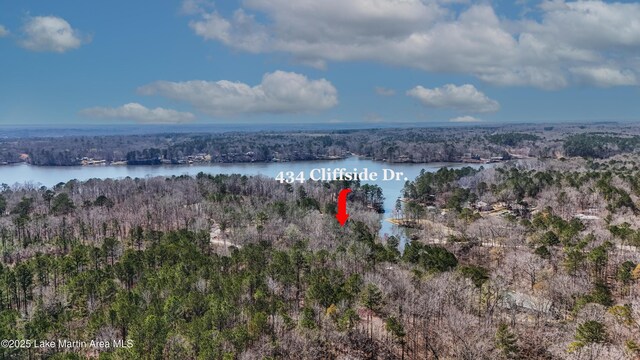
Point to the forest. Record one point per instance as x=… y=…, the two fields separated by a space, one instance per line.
x=415 y=145
x=533 y=258
x=556 y=240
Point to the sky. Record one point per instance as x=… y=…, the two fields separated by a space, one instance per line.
x=318 y=62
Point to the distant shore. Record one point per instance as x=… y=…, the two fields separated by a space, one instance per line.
x=101 y=163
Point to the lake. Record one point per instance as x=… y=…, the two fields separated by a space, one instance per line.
x=50 y=176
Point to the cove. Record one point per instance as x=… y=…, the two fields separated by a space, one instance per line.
x=50 y=176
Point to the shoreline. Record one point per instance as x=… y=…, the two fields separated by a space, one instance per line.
x=122 y=163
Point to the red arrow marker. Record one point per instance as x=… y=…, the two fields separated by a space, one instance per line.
x=342 y=215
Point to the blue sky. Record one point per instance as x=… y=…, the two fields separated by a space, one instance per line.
x=347 y=61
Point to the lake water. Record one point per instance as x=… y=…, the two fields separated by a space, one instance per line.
x=50 y=176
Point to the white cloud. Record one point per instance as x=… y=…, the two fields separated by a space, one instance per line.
x=433 y=36
x=139 y=113
x=279 y=92
x=192 y=7
x=604 y=76
x=3 y=31
x=241 y=31
x=602 y=26
x=50 y=33
x=382 y=91
x=550 y=5
x=465 y=119
x=462 y=98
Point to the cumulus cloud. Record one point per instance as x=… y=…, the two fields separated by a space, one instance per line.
x=382 y=91
x=438 y=37
x=139 y=113
x=279 y=92
x=50 y=33
x=3 y=31
x=242 y=31
x=465 y=119
x=604 y=76
x=462 y=98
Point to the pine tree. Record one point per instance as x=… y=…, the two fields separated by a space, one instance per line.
x=372 y=301
x=396 y=328
x=591 y=332
x=506 y=341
